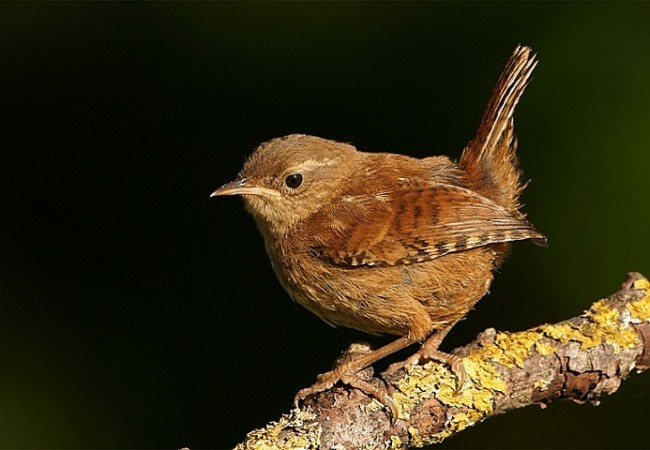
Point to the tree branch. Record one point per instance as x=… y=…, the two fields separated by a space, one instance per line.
x=579 y=359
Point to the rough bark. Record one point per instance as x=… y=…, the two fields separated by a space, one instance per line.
x=580 y=359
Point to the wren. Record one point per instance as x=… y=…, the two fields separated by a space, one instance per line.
x=386 y=243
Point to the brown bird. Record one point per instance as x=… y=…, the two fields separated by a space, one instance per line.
x=386 y=243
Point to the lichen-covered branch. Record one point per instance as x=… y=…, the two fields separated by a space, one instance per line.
x=579 y=359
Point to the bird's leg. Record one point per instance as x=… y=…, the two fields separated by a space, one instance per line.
x=429 y=352
x=348 y=373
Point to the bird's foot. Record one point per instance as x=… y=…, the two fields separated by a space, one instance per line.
x=429 y=352
x=349 y=374
x=454 y=362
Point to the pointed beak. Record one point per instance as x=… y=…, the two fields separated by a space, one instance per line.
x=243 y=186
x=233 y=188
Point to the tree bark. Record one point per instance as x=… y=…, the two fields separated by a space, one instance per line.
x=579 y=359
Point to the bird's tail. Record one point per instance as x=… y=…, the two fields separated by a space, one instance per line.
x=490 y=160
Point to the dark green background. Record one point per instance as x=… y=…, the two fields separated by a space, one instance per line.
x=137 y=312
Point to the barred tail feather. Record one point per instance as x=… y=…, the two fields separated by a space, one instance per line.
x=490 y=160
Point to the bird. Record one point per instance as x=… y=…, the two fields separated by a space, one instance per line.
x=386 y=243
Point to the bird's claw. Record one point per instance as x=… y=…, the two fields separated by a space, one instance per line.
x=350 y=377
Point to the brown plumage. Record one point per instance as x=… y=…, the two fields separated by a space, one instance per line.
x=385 y=243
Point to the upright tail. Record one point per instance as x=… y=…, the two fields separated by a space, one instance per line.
x=490 y=160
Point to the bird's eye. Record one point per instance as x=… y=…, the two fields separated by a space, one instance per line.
x=294 y=180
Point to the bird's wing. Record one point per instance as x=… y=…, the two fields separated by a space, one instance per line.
x=412 y=226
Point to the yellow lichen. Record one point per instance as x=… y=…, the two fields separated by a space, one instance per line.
x=603 y=327
x=267 y=438
x=416 y=439
x=475 y=400
x=395 y=442
x=541 y=384
x=419 y=383
x=470 y=396
x=482 y=372
x=513 y=349
x=374 y=406
x=516 y=347
x=564 y=333
x=640 y=310
x=461 y=421
x=470 y=404
x=642 y=283
x=544 y=348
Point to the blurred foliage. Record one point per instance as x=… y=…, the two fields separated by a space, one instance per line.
x=137 y=312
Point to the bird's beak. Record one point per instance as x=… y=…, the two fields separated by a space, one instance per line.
x=243 y=186
x=233 y=188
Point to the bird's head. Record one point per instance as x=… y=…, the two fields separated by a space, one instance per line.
x=287 y=179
